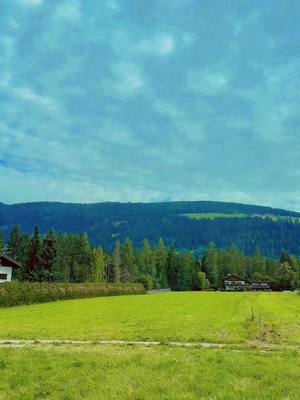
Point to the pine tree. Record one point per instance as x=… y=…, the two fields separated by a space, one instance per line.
x=172 y=268
x=18 y=245
x=2 y=245
x=82 y=260
x=33 y=260
x=128 y=266
x=48 y=256
x=148 y=260
x=161 y=258
x=117 y=262
x=211 y=266
x=186 y=271
x=258 y=264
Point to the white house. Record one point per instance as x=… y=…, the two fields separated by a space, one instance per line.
x=6 y=267
x=234 y=283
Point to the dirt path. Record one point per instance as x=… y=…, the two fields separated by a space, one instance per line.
x=21 y=343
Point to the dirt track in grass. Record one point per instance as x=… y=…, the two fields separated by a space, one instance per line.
x=255 y=345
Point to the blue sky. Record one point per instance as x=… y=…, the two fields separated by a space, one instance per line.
x=138 y=100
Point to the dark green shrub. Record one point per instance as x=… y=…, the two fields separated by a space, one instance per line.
x=146 y=281
x=17 y=293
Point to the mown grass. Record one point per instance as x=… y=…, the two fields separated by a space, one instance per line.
x=187 y=316
x=212 y=215
x=275 y=218
x=95 y=373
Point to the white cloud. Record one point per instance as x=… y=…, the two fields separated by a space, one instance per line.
x=188 y=38
x=113 y=5
x=274 y=103
x=161 y=45
x=208 y=82
x=68 y=11
x=184 y=123
x=69 y=189
x=128 y=80
x=31 y=2
x=26 y=94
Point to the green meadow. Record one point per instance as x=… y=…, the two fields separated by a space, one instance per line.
x=261 y=359
x=138 y=373
x=183 y=316
x=213 y=216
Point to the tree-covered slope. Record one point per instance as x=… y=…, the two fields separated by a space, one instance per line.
x=189 y=225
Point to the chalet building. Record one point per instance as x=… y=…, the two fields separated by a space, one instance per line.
x=234 y=283
x=260 y=285
x=7 y=265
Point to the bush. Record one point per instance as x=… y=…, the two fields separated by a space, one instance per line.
x=146 y=281
x=17 y=293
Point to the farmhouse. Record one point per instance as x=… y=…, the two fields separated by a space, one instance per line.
x=234 y=283
x=260 y=285
x=6 y=267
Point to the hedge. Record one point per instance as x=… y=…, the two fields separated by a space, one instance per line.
x=18 y=293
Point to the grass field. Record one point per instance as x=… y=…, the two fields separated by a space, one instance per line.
x=97 y=373
x=212 y=215
x=275 y=218
x=186 y=316
x=94 y=371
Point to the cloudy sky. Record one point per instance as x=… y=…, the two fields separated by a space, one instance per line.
x=138 y=100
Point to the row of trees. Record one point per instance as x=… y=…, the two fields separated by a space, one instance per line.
x=69 y=257
x=283 y=273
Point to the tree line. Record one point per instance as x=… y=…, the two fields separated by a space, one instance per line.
x=70 y=257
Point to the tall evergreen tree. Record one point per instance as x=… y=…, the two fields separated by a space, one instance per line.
x=128 y=266
x=82 y=261
x=2 y=245
x=117 y=262
x=33 y=260
x=161 y=258
x=147 y=260
x=48 y=256
x=211 y=266
x=173 y=268
x=18 y=245
x=186 y=271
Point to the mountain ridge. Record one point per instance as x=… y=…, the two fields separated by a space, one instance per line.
x=186 y=224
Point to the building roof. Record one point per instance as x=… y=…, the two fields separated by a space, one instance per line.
x=233 y=277
x=6 y=261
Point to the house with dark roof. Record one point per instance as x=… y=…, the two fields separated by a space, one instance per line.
x=261 y=285
x=234 y=283
x=7 y=265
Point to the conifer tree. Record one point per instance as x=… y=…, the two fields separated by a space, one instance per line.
x=210 y=264
x=2 y=245
x=18 y=245
x=33 y=260
x=148 y=260
x=186 y=271
x=82 y=260
x=172 y=268
x=161 y=258
x=48 y=256
x=128 y=266
x=117 y=262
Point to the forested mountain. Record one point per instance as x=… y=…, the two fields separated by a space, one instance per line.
x=187 y=225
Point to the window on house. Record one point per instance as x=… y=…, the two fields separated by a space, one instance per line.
x=3 y=277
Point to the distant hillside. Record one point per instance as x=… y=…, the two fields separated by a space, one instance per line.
x=190 y=225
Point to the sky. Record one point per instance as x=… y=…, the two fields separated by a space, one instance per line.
x=138 y=100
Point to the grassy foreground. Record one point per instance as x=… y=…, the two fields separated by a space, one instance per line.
x=95 y=373
x=190 y=316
